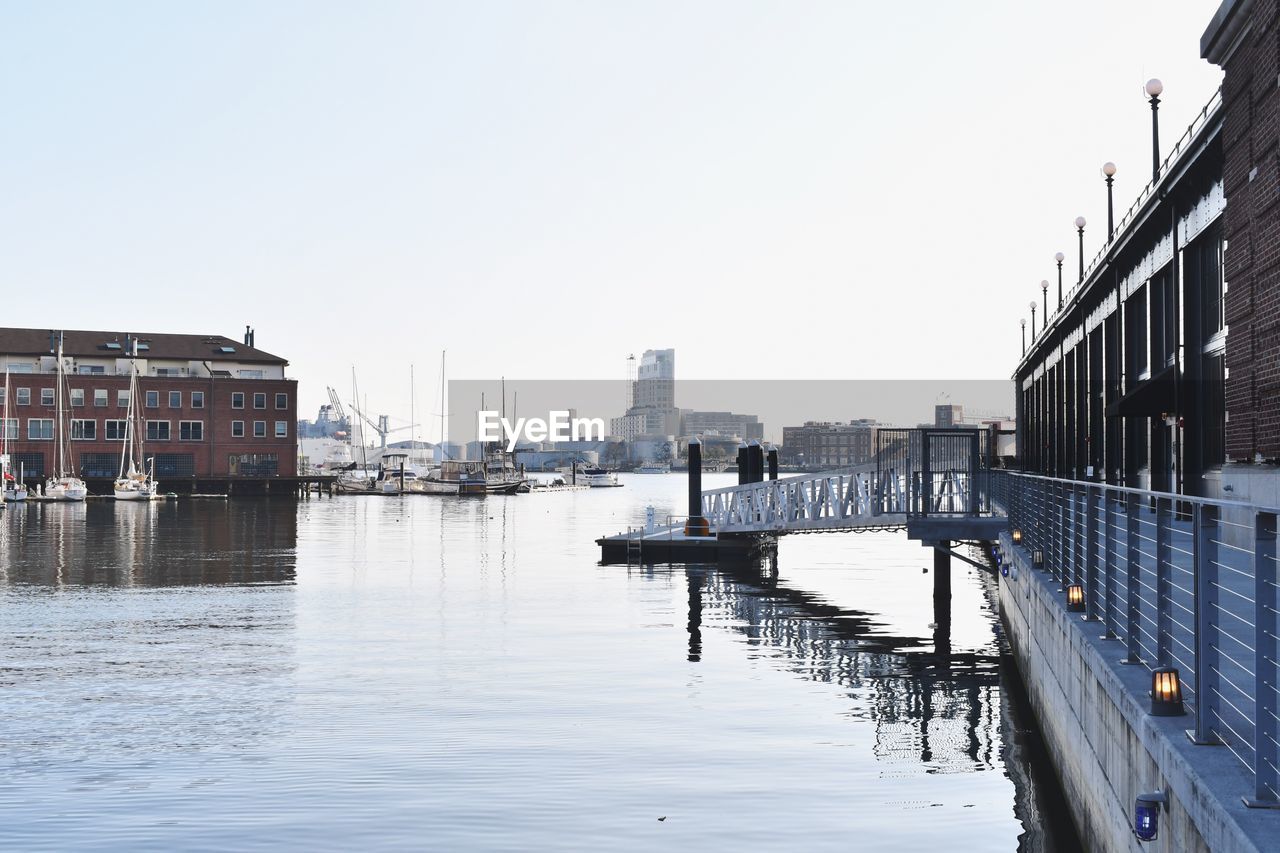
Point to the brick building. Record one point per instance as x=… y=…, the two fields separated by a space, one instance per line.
x=829 y=445
x=1161 y=367
x=214 y=407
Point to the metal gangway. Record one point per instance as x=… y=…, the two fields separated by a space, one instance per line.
x=916 y=474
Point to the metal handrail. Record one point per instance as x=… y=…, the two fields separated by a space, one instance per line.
x=1181 y=581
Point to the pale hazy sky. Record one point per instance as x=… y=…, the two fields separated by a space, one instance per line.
x=783 y=189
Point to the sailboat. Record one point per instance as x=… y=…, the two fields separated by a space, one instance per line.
x=135 y=483
x=14 y=489
x=63 y=485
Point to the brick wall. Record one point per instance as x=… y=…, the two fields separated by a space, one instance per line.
x=1251 y=179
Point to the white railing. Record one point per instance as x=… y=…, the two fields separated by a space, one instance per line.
x=828 y=501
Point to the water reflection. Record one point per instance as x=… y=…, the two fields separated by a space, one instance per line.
x=944 y=710
x=161 y=543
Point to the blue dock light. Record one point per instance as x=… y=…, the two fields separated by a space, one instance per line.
x=1166 y=692
x=1146 y=815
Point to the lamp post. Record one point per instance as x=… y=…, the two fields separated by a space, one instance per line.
x=1033 y=321
x=1153 y=88
x=1044 y=295
x=1024 y=337
x=1080 y=229
x=1059 y=257
x=1109 y=172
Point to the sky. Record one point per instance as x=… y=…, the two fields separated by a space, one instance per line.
x=778 y=190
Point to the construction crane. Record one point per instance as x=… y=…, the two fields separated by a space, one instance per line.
x=338 y=411
x=381 y=427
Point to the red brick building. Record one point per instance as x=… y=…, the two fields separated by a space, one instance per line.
x=214 y=407
x=1243 y=40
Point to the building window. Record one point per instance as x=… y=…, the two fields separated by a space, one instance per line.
x=282 y=429
x=157 y=430
x=28 y=464
x=100 y=398
x=237 y=429
x=122 y=399
x=259 y=429
x=282 y=401
x=99 y=464
x=114 y=430
x=175 y=465
x=237 y=399
x=77 y=396
x=40 y=429
x=260 y=400
x=197 y=399
x=253 y=464
x=153 y=399
x=10 y=426
x=251 y=374
x=91 y=370
x=175 y=399
x=191 y=431
x=24 y=396
x=84 y=430
x=46 y=396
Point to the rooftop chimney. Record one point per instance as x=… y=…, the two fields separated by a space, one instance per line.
x=246 y=336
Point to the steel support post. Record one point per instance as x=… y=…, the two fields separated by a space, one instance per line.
x=1164 y=585
x=1266 y=665
x=1132 y=567
x=1109 y=565
x=1092 y=500
x=1205 y=604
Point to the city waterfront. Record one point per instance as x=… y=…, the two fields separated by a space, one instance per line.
x=397 y=673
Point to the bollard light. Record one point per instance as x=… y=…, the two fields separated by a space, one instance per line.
x=1146 y=815
x=1037 y=558
x=1166 y=692
x=1075 y=598
x=1017 y=536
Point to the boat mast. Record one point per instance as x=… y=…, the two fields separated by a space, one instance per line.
x=57 y=409
x=442 y=447
x=126 y=446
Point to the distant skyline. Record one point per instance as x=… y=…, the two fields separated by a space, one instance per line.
x=818 y=190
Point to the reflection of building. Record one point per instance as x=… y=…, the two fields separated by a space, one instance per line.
x=824 y=443
x=212 y=406
x=745 y=427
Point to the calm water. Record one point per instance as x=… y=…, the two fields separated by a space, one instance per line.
x=424 y=673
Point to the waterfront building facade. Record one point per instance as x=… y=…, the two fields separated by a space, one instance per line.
x=830 y=444
x=746 y=427
x=213 y=406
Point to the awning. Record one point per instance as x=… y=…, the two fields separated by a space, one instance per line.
x=1152 y=398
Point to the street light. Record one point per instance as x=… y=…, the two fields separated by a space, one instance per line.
x=1109 y=171
x=1080 y=229
x=1059 y=257
x=1153 y=88
x=1033 y=321
x=1044 y=294
x=1024 y=337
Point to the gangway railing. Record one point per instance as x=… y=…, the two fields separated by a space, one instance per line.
x=1180 y=581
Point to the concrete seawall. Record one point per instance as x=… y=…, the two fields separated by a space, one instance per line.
x=1106 y=747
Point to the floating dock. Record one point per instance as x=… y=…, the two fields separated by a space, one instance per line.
x=671 y=545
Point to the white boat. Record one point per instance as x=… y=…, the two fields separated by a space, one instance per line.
x=63 y=485
x=654 y=468
x=135 y=483
x=14 y=488
x=597 y=478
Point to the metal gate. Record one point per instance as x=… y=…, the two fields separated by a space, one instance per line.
x=942 y=468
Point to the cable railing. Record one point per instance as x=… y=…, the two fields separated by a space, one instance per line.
x=1207 y=112
x=1179 y=581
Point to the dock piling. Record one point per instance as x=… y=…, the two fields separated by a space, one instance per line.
x=696 y=525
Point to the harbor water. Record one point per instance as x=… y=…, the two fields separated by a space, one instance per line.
x=420 y=673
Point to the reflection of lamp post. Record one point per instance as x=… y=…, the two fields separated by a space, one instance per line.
x=1154 y=88
x=1109 y=171
x=1080 y=229
x=1059 y=257
x=1024 y=337
x=1033 y=321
